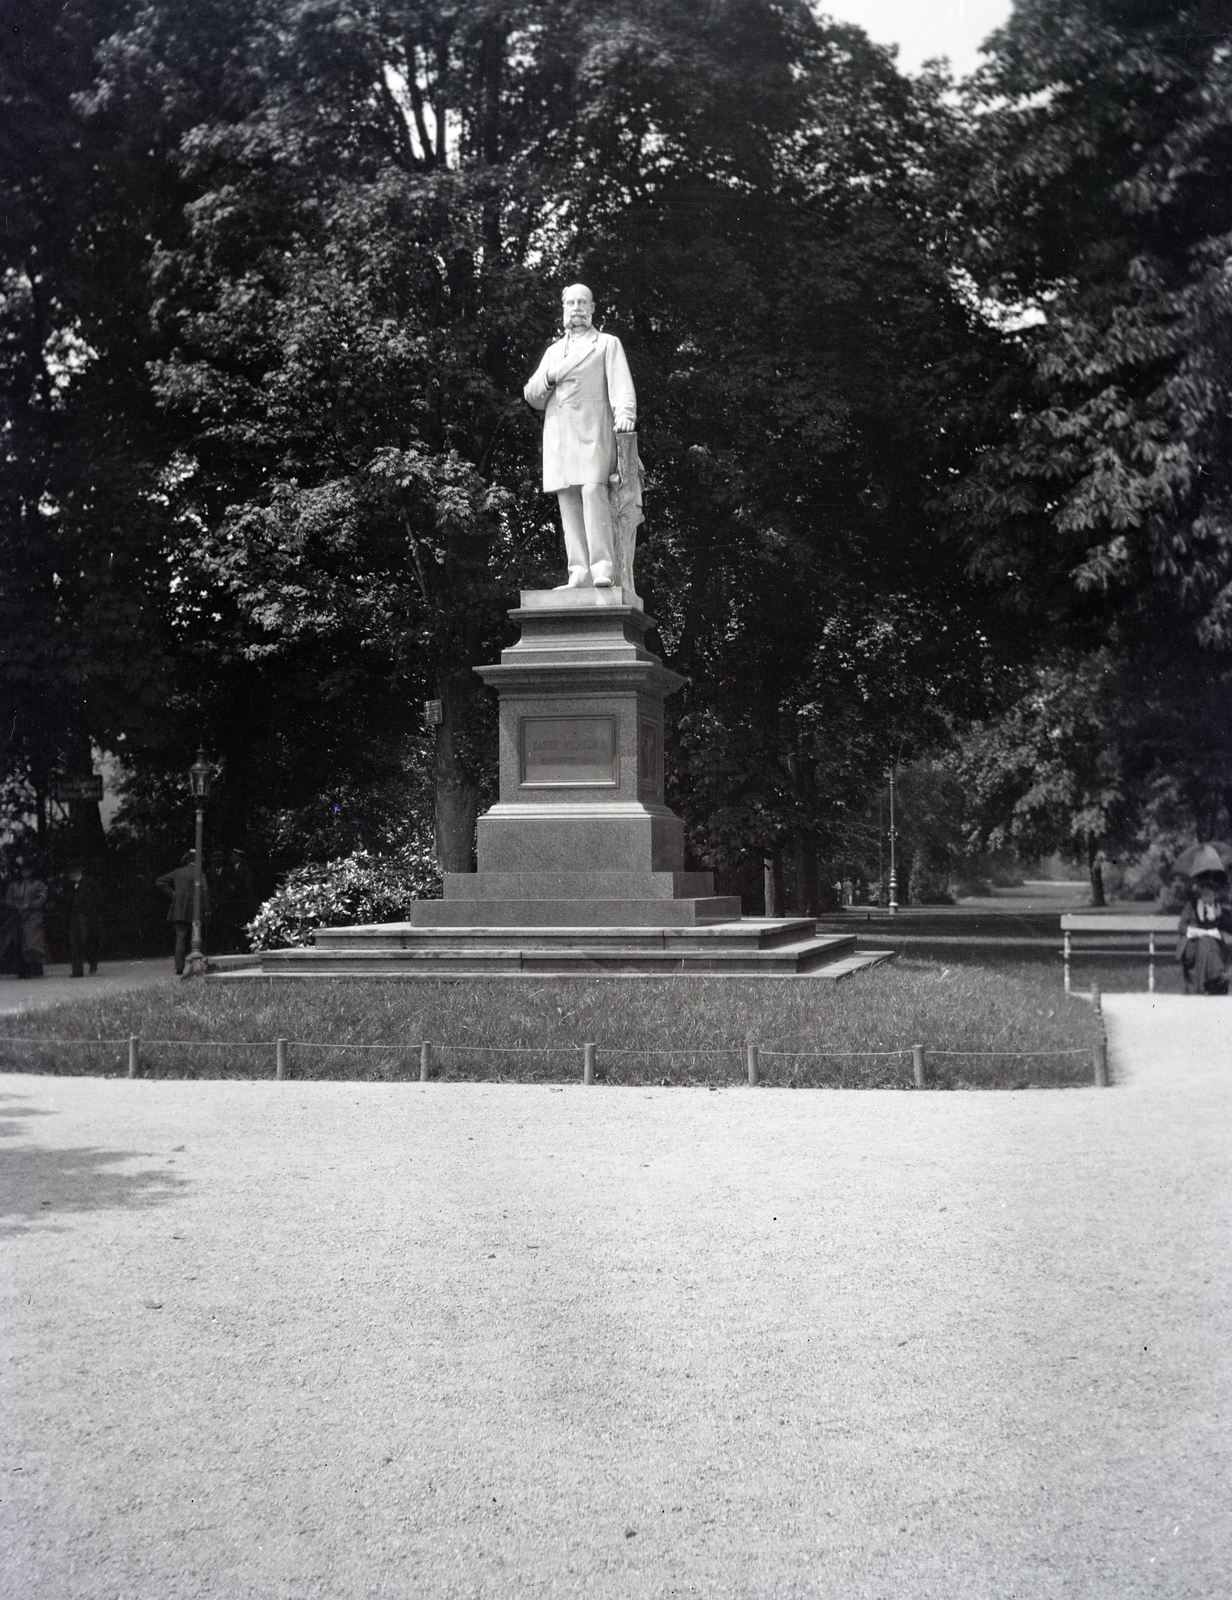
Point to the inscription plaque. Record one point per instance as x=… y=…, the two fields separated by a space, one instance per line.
x=568 y=750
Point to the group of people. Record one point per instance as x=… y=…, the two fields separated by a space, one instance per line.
x=226 y=902
x=23 y=932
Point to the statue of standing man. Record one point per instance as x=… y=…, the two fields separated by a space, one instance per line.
x=585 y=390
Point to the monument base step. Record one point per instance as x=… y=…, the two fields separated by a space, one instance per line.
x=692 y=913
x=591 y=885
x=760 y=947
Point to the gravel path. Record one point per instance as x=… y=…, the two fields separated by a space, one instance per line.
x=339 y=1340
x=58 y=984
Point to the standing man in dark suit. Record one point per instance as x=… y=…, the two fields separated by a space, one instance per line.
x=85 y=916
x=179 y=885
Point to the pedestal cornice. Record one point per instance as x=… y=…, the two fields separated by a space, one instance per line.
x=583 y=677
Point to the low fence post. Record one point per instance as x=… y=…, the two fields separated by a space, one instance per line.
x=588 y=1063
x=1100 y=1055
x=917 y=1065
x=280 y=1058
x=134 y=1056
x=753 y=1063
x=425 y=1062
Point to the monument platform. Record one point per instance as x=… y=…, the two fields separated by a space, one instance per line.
x=580 y=861
x=753 y=946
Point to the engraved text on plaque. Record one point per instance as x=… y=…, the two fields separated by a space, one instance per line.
x=568 y=750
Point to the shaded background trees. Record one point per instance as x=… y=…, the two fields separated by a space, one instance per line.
x=929 y=394
x=1094 y=210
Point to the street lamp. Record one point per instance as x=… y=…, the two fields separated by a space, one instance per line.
x=199 y=775
x=893 y=859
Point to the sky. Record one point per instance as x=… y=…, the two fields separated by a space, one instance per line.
x=924 y=28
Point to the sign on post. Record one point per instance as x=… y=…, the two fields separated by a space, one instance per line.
x=83 y=787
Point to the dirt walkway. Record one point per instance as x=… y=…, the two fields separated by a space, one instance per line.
x=1151 y=1036
x=58 y=984
x=335 y=1340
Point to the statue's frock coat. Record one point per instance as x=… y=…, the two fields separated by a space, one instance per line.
x=593 y=389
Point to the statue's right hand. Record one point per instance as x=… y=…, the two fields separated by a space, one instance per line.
x=550 y=377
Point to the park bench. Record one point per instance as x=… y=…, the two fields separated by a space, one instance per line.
x=1117 y=933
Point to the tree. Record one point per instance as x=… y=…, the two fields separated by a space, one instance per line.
x=1105 y=754
x=310 y=328
x=1094 y=220
x=1096 y=216
x=361 y=278
x=1049 y=774
x=349 y=313
x=810 y=362
x=79 y=617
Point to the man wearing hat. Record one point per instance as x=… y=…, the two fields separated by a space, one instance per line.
x=85 y=917
x=1204 y=936
x=179 y=884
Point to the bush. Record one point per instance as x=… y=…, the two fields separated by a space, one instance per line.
x=357 y=888
x=929 y=883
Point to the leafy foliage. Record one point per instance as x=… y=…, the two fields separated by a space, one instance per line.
x=358 y=888
x=1100 y=200
x=1049 y=773
x=925 y=388
x=1103 y=755
x=360 y=281
x=82 y=656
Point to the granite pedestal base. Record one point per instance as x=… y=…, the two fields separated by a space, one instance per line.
x=580 y=862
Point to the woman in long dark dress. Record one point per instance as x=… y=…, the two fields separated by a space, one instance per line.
x=27 y=899
x=1204 y=937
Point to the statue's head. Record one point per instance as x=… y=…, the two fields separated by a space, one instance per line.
x=579 y=306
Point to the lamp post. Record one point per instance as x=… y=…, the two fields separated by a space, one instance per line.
x=199 y=775
x=893 y=906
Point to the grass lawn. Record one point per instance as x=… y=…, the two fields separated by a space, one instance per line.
x=984 y=1027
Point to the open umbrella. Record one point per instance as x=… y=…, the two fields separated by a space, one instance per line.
x=1199 y=858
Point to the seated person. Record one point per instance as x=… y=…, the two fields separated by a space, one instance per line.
x=1204 y=936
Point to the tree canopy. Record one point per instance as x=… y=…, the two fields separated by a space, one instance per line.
x=1098 y=214
x=926 y=388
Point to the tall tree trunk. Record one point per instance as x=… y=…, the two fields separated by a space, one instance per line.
x=772 y=873
x=806 y=875
x=41 y=801
x=457 y=794
x=86 y=835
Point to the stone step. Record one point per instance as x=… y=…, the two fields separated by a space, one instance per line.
x=691 y=913
x=509 y=966
x=583 y=954
x=856 y=962
x=757 y=933
x=483 y=887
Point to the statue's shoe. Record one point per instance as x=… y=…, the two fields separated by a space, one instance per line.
x=603 y=583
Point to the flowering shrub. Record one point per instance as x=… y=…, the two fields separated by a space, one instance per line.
x=356 y=889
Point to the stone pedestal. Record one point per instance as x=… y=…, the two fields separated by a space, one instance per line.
x=581 y=864
x=580 y=835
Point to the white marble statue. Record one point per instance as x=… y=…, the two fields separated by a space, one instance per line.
x=585 y=390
